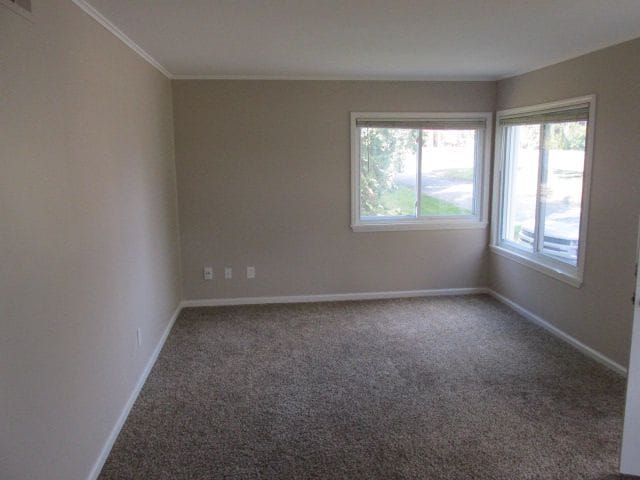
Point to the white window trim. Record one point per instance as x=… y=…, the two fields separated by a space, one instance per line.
x=442 y=223
x=543 y=263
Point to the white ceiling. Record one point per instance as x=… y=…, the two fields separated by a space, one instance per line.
x=369 y=39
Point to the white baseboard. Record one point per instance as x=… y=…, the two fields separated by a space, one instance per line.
x=97 y=467
x=337 y=297
x=590 y=352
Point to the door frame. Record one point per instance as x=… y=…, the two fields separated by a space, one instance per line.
x=630 y=451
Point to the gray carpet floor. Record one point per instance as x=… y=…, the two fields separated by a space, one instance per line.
x=436 y=388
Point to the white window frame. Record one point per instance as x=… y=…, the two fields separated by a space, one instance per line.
x=481 y=188
x=573 y=275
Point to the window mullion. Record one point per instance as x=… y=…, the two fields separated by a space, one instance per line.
x=542 y=181
x=507 y=153
x=477 y=173
x=419 y=176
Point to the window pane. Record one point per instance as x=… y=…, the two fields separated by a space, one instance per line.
x=521 y=184
x=388 y=160
x=448 y=161
x=562 y=192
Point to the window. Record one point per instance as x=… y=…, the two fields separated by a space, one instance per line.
x=418 y=170
x=543 y=156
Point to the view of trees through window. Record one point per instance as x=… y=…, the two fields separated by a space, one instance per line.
x=394 y=160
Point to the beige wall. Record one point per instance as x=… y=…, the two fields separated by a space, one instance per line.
x=88 y=236
x=600 y=313
x=264 y=180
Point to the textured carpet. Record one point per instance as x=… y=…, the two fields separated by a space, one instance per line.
x=436 y=388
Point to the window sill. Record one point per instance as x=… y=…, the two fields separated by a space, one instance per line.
x=575 y=280
x=401 y=226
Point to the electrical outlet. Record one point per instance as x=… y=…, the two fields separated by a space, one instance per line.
x=139 y=336
x=251 y=272
x=228 y=272
x=208 y=273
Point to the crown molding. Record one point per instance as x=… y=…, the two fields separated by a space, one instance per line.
x=352 y=78
x=102 y=20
